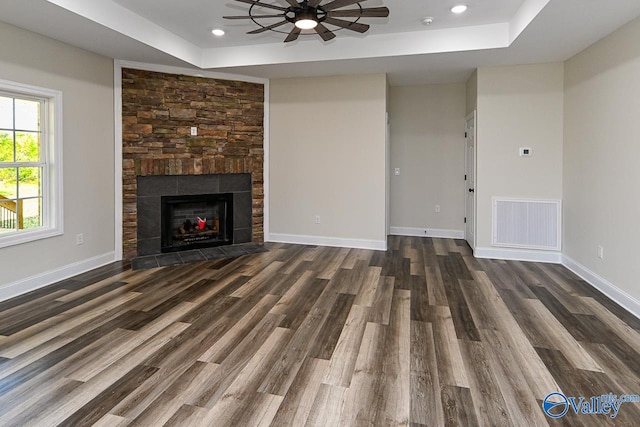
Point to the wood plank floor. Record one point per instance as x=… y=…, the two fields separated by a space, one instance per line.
x=423 y=335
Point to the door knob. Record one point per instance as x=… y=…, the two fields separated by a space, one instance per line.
x=471 y=190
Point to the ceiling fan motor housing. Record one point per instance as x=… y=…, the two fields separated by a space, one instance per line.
x=305 y=12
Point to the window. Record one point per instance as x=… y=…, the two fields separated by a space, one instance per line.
x=30 y=163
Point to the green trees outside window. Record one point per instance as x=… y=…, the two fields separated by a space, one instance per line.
x=21 y=164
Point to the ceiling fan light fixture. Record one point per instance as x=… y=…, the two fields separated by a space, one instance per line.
x=306 y=24
x=306 y=19
x=460 y=8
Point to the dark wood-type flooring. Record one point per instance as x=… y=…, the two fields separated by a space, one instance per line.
x=423 y=335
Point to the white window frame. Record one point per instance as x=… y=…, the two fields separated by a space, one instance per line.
x=51 y=156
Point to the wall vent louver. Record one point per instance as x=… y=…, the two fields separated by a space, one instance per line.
x=530 y=224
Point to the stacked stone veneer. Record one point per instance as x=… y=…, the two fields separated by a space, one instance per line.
x=158 y=111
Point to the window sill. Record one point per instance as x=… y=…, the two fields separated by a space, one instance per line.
x=21 y=237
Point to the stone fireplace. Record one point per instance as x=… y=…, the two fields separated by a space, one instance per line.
x=162 y=156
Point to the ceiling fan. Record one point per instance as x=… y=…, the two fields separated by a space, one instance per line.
x=311 y=15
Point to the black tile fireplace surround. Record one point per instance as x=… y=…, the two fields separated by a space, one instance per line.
x=152 y=188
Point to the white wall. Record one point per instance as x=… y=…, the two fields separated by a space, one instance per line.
x=327 y=158
x=427 y=144
x=601 y=154
x=86 y=81
x=518 y=106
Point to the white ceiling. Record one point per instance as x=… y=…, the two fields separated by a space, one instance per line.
x=491 y=32
x=193 y=20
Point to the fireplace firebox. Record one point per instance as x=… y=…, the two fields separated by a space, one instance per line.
x=196 y=221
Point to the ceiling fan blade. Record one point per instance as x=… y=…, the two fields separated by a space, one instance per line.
x=353 y=26
x=293 y=35
x=293 y=3
x=263 y=29
x=335 y=4
x=324 y=32
x=254 y=16
x=259 y=3
x=372 y=12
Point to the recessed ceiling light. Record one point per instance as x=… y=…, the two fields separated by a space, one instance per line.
x=427 y=21
x=217 y=32
x=459 y=8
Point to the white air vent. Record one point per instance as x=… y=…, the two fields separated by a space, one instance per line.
x=531 y=224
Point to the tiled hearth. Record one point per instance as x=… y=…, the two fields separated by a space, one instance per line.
x=184 y=257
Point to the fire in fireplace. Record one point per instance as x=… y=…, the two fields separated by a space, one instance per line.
x=197 y=221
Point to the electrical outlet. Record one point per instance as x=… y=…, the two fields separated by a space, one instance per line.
x=194 y=131
x=600 y=252
x=437 y=208
x=79 y=239
x=317 y=219
x=525 y=152
x=396 y=171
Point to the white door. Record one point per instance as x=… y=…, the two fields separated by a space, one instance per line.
x=387 y=174
x=470 y=180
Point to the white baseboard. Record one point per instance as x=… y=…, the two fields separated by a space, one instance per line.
x=518 y=255
x=41 y=280
x=427 y=232
x=376 y=245
x=619 y=296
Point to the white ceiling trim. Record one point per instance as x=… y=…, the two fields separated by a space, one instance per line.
x=373 y=46
x=169 y=69
x=480 y=37
x=124 y=21
x=523 y=17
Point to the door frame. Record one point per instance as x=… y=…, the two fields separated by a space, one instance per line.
x=473 y=116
